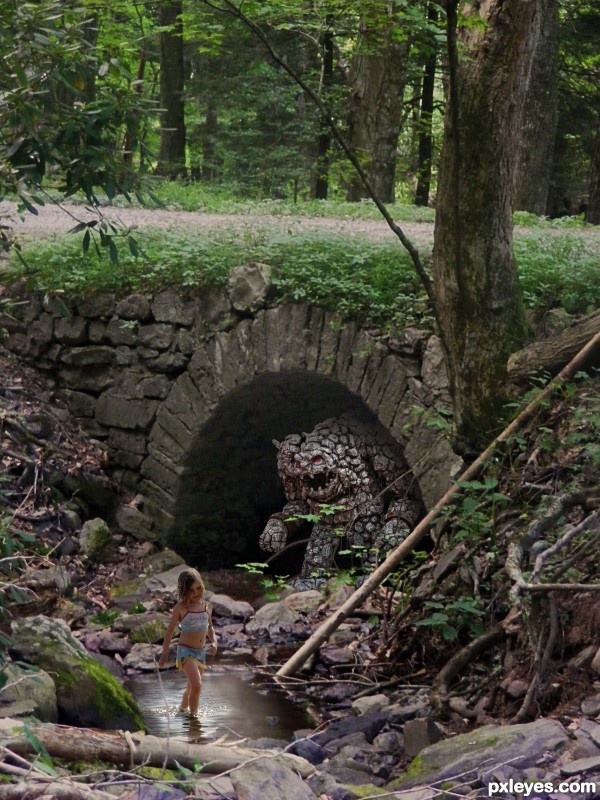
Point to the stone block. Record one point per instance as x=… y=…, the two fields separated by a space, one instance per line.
x=166 y=477
x=124 y=412
x=100 y=305
x=328 y=343
x=134 y=307
x=157 y=386
x=170 y=306
x=96 y=331
x=95 y=380
x=79 y=403
x=158 y=336
x=250 y=287
x=124 y=440
x=94 y=355
x=165 y=449
x=119 y=331
x=168 y=363
x=71 y=331
x=133 y=521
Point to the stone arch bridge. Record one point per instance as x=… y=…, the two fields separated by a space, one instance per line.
x=188 y=390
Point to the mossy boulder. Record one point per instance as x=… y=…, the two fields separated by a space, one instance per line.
x=96 y=540
x=86 y=692
x=482 y=749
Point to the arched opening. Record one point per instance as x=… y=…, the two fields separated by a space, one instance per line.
x=230 y=486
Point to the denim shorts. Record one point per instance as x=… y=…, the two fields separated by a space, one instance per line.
x=184 y=652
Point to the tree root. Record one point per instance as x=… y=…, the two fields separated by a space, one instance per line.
x=538 y=679
x=439 y=696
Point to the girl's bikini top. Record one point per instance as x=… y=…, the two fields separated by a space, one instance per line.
x=194 y=622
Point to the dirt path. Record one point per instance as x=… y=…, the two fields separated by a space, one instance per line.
x=53 y=219
x=58 y=220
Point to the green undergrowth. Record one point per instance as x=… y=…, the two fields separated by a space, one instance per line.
x=372 y=281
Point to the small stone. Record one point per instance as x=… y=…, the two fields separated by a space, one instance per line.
x=590 y=706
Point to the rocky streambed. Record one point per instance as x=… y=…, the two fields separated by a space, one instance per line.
x=378 y=744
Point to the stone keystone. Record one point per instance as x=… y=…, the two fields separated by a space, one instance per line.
x=250 y=287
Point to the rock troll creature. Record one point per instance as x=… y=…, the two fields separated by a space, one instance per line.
x=352 y=479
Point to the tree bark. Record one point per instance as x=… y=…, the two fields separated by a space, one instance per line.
x=378 y=79
x=478 y=302
x=171 y=154
x=540 y=117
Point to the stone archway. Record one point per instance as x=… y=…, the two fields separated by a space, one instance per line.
x=229 y=486
x=162 y=379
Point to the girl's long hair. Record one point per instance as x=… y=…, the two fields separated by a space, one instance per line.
x=187 y=578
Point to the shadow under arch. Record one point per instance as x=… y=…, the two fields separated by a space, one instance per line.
x=229 y=485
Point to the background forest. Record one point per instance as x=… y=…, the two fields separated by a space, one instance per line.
x=188 y=90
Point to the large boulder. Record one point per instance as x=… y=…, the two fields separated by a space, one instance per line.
x=87 y=694
x=25 y=683
x=482 y=750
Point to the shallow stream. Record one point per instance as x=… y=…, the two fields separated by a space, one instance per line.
x=230 y=705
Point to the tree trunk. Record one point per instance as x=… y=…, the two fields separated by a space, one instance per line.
x=324 y=141
x=478 y=302
x=425 y=121
x=171 y=154
x=210 y=161
x=592 y=213
x=378 y=78
x=540 y=117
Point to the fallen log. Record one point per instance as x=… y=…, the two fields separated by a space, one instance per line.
x=552 y=354
x=130 y=749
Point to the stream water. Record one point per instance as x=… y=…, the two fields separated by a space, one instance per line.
x=230 y=705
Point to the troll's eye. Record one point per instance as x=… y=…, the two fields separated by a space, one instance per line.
x=317 y=460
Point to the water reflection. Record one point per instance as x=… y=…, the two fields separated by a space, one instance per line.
x=230 y=705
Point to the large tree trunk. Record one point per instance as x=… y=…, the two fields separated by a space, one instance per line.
x=171 y=154
x=478 y=302
x=378 y=78
x=540 y=118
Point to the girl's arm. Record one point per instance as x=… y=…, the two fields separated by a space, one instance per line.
x=175 y=617
x=211 y=635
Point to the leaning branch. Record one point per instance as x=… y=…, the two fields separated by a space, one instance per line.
x=293 y=664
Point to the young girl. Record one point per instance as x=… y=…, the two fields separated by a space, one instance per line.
x=194 y=617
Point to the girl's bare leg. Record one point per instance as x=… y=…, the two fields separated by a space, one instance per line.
x=194 y=685
x=185 y=700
